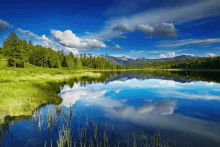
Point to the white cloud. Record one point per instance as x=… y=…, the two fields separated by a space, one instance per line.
x=118 y=90
x=123 y=100
x=191 y=42
x=123 y=27
x=117 y=47
x=188 y=95
x=145 y=28
x=162 y=56
x=69 y=39
x=168 y=55
x=47 y=42
x=165 y=30
x=88 y=33
x=154 y=51
x=120 y=55
x=152 y=17
x=209 y=55
x=43 y=38
x=124 y=37
x=4 y=24
x=73 y=50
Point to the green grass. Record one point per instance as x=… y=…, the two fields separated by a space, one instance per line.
x=24 y=89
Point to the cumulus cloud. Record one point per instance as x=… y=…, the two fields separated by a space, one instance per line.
x=191 y=42
x=165 y=30
x=123 y=27
x=209 y=55
x=73 y=50
x=69 y=39
x=47 y=42
x=168 y=55
x=43 y=38
x=167 y=15
x=117 y=47
x=145 y=28
x=3 y=25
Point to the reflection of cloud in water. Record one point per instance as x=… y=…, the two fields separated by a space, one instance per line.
x=178 y=94
x=122 y=109
x=72 y=96
x=123 y=100
x=159 y=114
x=161 y=107
x=117 y=90
x=148 y=100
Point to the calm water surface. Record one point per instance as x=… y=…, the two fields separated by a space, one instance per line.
x=184 y=110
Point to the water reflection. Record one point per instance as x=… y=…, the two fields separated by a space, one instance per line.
x=150 y=102
x=131 y=101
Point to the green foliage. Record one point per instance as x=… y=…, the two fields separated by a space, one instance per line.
x=205 y=63
x=21 y=52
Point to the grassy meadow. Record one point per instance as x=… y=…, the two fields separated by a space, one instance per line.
x=24 y=89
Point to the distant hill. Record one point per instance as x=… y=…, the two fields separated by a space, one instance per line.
x=141 y=61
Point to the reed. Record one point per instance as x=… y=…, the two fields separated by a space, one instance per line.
x=99 y=137
x=49 y=118
x=34 y=116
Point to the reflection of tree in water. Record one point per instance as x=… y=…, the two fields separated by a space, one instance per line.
x=7 y=123
x=179 y=76
x=89 y=80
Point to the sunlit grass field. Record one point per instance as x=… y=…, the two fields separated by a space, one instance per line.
x=24 y=89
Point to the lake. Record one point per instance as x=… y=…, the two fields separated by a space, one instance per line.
x=125 y=108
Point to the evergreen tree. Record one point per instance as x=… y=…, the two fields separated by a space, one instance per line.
x=12 y=47
x=70 y=62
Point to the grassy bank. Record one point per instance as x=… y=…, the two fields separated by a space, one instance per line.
x=24 y=89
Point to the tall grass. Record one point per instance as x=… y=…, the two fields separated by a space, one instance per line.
x=25 y=89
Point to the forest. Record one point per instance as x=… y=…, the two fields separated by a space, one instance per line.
x=20 y=52
x=210 y=63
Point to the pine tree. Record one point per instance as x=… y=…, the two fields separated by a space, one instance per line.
x=12 y=47
x=25 y=52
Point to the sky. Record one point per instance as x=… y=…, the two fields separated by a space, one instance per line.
x=133 y=28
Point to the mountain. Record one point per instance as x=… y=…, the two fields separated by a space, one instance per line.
x=140 y=61
x=117 y=60
x=140 y=76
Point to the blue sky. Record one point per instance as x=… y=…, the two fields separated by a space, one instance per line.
x=141 y=28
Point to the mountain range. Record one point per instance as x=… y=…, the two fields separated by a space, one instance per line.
x=140 y=61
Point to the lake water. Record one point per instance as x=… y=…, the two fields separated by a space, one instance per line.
x=184 y=111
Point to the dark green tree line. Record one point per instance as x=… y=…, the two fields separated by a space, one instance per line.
x=20 y=52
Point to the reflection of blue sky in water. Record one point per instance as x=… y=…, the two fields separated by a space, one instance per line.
x=151 y=102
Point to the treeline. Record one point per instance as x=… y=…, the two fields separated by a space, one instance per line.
x=205 y=63
x=20 y=52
